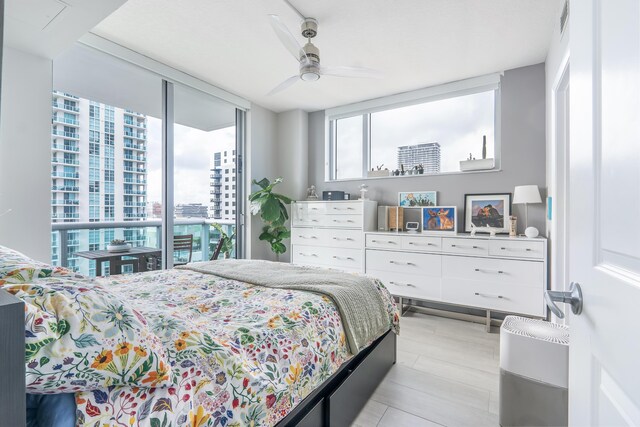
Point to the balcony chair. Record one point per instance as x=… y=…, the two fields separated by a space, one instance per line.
x=182 y=244
x=216 y=251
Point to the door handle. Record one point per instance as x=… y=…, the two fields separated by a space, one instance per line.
x=573 y=297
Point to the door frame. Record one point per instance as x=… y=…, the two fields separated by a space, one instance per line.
x=560 y=134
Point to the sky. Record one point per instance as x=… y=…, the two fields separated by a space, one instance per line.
x=457 y=124
x=193 y=157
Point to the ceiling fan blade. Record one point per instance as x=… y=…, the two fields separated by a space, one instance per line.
x=287 y=39
x=362 y=72
x=285 y=84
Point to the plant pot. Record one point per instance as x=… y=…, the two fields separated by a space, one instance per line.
x=119 y=248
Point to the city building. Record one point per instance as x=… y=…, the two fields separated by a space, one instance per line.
x=98 y=172
x=191 y=210
x=426 y=154
x=222 y=186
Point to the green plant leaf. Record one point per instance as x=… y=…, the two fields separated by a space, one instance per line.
x=266 y=236
x=278 y=247
x=270 y=210
x=263 y=183
x=284 y=199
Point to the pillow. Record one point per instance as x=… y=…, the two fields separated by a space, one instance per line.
x=16 y=267
x=80 y=337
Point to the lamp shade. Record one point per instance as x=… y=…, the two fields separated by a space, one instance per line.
x=526 y=194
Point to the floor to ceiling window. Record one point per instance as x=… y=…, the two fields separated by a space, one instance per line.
x=107 y=170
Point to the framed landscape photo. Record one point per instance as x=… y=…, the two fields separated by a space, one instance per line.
x=439 y=219
x=486 y=212
x=417 y=199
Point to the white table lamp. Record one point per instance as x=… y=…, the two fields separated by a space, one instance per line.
x=527 y=194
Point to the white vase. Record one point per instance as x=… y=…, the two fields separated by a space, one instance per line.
x=531 y=232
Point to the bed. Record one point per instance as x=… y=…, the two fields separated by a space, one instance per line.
x=184 y=347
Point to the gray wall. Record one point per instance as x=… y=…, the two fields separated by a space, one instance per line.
x=522 y=162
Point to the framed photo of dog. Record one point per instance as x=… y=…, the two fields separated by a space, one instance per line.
x=439 y=220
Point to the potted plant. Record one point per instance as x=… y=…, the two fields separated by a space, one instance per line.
x=272 y=208
x=118 y=245
x=227 y=245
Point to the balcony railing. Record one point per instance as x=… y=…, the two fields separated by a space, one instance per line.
x=64 y=202
x=135 y=158
x=62 y=160
x=60 y=174
x=64 y=94
x=66 y=189
x=135 y=204
x=134 y=113
x=145 y=232
x=135 y=181
x=65 y=215
x=135 y=192
x=140 y=147
x=65 y=134
x=65 y=107
x=135 y=170
x=64 y=147
x=137 y=135
x=141 y=125
x=72 y=122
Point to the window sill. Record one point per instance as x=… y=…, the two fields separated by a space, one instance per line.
x=375 y=178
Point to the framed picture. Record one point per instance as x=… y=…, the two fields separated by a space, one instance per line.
x=416 y=199
x=439 y=219
x=487 y=211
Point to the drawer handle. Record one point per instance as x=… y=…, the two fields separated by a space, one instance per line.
x=489 y=295
x=391 y=242
x=489 y=271
x=403 y=284
x=345 y=209
x=466 y=247
x=314 y=209
x=348 y=239
x=337 y=220
x=420 y=244
x=307 y=237
x=401 y=263
x=312 y=255
x=343 y=258
x=514 y=249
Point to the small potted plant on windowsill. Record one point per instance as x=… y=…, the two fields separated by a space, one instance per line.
x=118 y=245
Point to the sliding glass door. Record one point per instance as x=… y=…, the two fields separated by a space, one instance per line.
x=139 y=159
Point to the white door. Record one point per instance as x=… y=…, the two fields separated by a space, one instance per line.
x=604 y=212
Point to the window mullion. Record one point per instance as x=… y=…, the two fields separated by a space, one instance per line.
x=366 y=144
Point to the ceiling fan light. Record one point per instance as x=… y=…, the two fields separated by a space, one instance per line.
x=309 y=76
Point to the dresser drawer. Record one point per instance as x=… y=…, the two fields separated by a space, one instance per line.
x=404 y=262
x=343 y=238
x=465 y=246
x=306 y=220
x=344 y=208
x=422 y=243
x=409 y=285
x=507 y=271
x=306 y=236
x=517 y=248
x=382 y=241
x=342 y=221
x=305 y=209
x=343 y=257
x=494 y=296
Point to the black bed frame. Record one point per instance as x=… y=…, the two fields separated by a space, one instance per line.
x=339 y=400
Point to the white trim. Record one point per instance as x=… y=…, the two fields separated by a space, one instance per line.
x=166 y=72
x=459 y=88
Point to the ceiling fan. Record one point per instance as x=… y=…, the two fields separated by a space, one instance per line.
x=309 y=56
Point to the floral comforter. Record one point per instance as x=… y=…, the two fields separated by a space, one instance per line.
x=239 y=355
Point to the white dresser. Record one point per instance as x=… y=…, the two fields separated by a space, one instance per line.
x=331 y=233
x=491 y=273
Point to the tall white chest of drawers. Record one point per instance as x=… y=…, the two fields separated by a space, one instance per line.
x=491 y=273
x=331 y=233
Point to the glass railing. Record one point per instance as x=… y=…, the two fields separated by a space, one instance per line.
x=64 y=147
x=71 y=175
x=65 y=134
x=140 y=147
x=137 y=233
x=65 y=107
x=135 y=170
x=65 y=188
x=65 y=121
x=64 y=202
x=65 y=161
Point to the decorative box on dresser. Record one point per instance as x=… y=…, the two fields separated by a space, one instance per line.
x=331 y=233
x=503 y=274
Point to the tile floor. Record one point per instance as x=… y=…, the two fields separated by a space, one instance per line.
x=446 y=374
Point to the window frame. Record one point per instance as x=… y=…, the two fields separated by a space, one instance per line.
x=491 y=82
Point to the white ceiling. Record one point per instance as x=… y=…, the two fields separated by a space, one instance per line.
x=415 y=43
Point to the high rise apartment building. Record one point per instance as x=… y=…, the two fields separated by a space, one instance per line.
x=222 y=186
x=98 y=172
x=425 y=154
